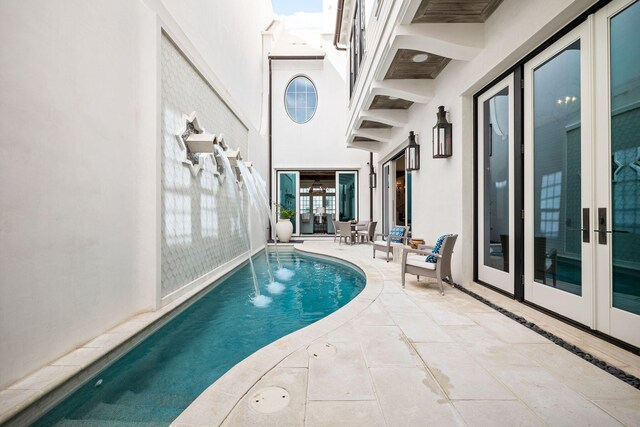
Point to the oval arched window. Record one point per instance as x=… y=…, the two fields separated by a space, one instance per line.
x=301 y=99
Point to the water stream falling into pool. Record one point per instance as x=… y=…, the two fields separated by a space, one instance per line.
x=261 y=186
x=263 y=212
x=258 y=299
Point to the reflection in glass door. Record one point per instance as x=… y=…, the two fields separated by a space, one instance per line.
x=617 y=238
x=386 y=199
x=495 y=186
x=288 y=185
x=347 y=195
x=558 y=264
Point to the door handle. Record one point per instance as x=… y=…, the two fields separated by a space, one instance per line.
x=602 y=226
x=585 y=225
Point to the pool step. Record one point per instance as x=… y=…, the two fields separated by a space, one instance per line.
x=130 y=398
x=119 y=414
x=106 y=423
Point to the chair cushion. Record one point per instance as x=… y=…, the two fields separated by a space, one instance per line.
x=397 y=231
x=418 y=261
x=436 y=249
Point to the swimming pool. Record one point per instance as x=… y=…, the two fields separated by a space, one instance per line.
x=155 y=381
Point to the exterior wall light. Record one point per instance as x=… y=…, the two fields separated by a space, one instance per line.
x=442 y=147
x=412 y=154
x=373 y=178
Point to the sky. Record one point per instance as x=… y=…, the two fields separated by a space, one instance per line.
x=290 y=7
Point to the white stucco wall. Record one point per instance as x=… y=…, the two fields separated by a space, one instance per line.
x=72 y=171
x=80 y=158
x=443 y=188
x=319 y=143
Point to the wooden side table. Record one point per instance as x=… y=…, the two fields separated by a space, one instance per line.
x=415 y=243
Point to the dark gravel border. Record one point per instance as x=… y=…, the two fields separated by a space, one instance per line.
x=618 y=373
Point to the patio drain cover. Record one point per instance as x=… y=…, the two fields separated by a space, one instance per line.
x=321 y=350
x=270 y=400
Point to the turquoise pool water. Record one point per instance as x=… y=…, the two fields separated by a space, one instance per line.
x=155 y=381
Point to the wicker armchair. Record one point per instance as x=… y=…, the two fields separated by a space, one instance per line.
x=345 y=232
x=369 y=233
x=382 y=242
x=414 y=262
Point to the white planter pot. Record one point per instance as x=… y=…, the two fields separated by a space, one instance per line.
x=284 y=230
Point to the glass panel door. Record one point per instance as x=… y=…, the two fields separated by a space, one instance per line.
x=618 y=171
x=558 y=267
x=288 y=187
x=386 y=200
x=347 y=195
x=495 y=186
x=400 y=193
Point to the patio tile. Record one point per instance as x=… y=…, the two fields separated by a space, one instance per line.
x=353 y=414
x=490 y=413
x=209 y=409
x=349 y=332
x=410 y=397
x=459 y=375
x=297 y=359
x=343 y=376
x=472 y=334
x=45 y=377
x=507 y=329
x=580 y=375
x=554 y=402
x=625 y=411
x=386 y=346
x=81 y=357
x=293 y=380
x=398 y=302
x=443 y=314
x=418 y=327
x=14 y=399
x=375 y=314
x=237 y=381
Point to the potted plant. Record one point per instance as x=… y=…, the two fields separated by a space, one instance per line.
x=284 y=227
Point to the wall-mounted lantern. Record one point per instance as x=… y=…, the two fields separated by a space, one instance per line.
x=442 y=146
x=373 y=178
x=412 y=154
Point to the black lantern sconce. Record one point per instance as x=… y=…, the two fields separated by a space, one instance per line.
x=373 y=178
x=442 y=147
x=412 y=154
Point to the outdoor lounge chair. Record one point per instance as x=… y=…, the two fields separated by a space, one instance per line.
x=387 y=242
x=414 y=261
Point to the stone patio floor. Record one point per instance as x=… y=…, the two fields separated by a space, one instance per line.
x=411 y=357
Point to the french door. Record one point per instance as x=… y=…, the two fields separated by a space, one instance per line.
x=386 y=196
x=582 y=173
x=496 y=186
x=347 y=196
x=617 y=171
x=288 y=189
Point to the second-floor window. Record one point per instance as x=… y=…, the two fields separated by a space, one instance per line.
x=356 y=44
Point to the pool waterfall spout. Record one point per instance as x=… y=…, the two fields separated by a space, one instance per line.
x=258 y=299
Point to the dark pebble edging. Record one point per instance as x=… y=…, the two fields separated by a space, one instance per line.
x=618 y=373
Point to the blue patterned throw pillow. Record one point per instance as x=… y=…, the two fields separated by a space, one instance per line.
x=397 y=231
x=436 y=248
